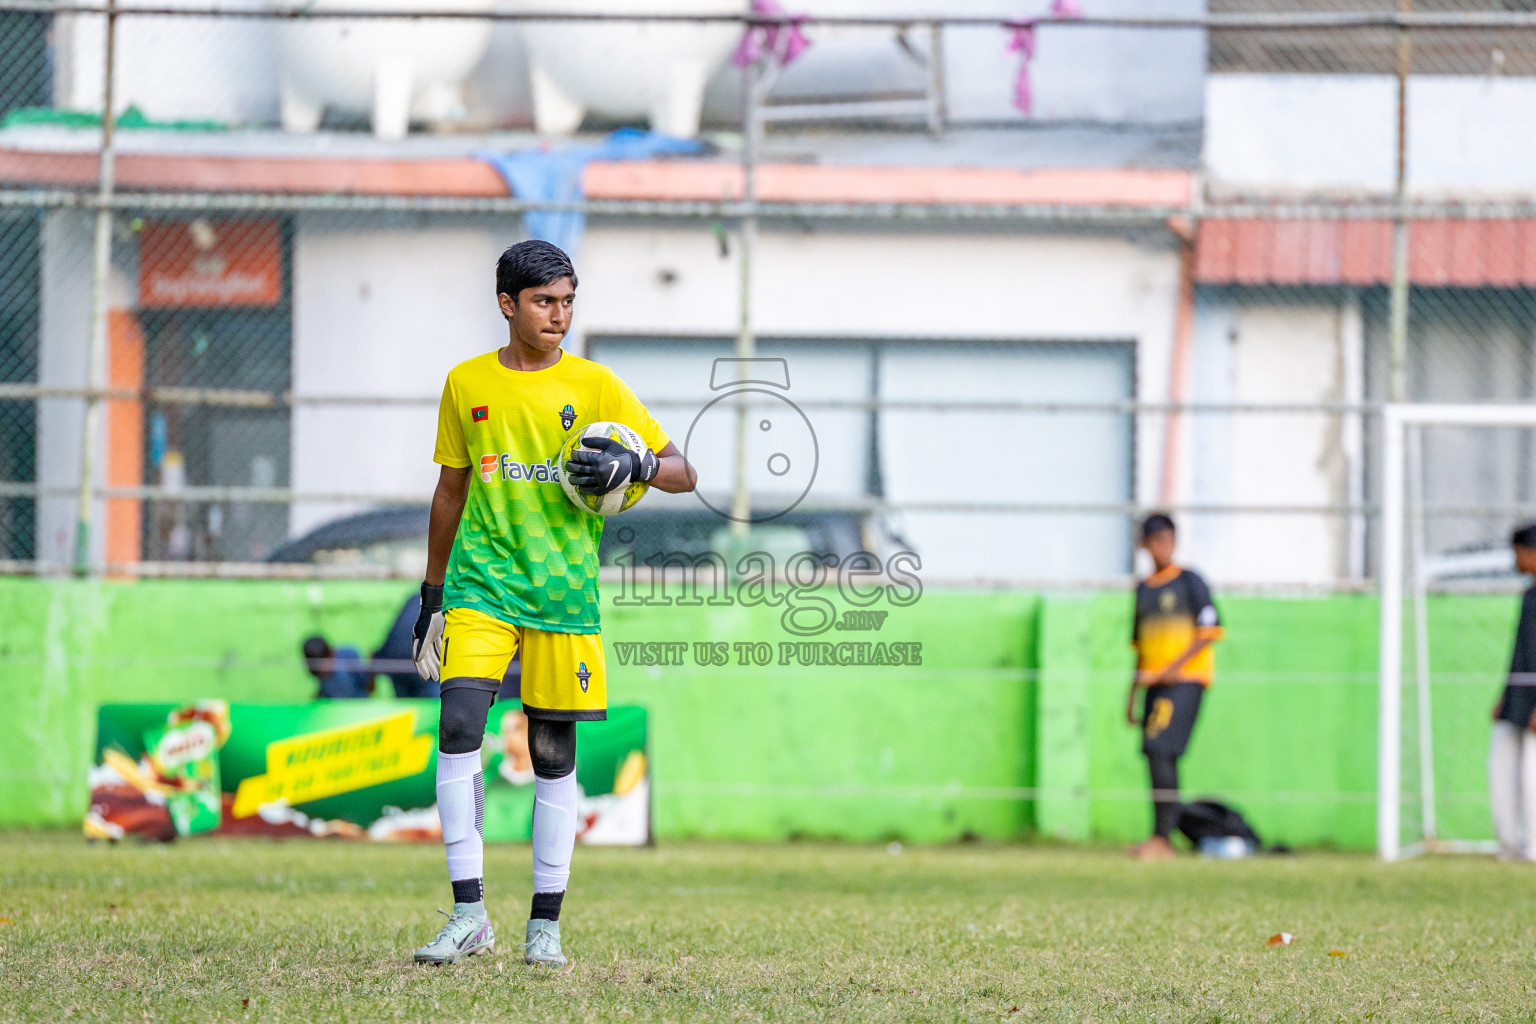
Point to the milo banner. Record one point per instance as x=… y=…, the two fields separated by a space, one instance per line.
x=358 y=769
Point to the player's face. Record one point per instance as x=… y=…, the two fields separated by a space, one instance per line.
x=1160 y=547
x=541 y=316
x=1525 y=560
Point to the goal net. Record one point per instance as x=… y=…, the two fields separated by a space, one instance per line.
x=1455 y=480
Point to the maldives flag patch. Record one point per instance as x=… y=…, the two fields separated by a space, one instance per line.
x=480 y=413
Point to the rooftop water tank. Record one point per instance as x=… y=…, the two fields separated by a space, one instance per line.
x=394 y=70
x=625 y=69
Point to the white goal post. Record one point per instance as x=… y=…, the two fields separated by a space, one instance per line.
x=1400 y=474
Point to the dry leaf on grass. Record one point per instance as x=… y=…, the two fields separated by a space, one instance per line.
x=1280 y=939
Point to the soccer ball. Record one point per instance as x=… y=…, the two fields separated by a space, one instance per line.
x=614 y=502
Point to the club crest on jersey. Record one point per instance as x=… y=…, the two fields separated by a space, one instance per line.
x=567 y=417
x=480 y=413
x=583 y=675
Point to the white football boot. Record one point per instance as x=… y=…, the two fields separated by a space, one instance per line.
x=543 y=945
x=465 y=934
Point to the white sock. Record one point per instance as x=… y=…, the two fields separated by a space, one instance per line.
x=554 y=832
x=461 y=809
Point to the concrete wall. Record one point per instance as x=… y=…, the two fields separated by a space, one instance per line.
x=937 y=286
x=389 y=311
x=64 y=339
x=1302 y=133
x=1252 y=346
x=384 y=311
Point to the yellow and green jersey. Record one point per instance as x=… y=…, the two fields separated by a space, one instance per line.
x=524 y=554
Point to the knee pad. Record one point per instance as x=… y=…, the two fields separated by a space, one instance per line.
x=552 y=746
x=461 y=721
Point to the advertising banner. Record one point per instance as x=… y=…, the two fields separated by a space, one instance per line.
x=349 y=768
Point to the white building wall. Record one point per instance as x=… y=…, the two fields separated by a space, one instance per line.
x=64 y=339
x=63 y=351
x=885 y=284
x=943 y=286
x=384 y=313
x=1264 y=352
x=1300 y=133
x=389 y=312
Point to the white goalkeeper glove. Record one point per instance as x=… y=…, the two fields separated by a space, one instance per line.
x=427 y=636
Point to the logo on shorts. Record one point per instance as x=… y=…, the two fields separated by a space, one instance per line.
x=480 y=413
x=581 y=670
x=567 y=417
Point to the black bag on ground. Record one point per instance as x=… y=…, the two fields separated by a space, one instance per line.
x=1207 y=819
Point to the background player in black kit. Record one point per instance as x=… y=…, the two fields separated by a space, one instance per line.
x=1176 y=624
x=1512 y=751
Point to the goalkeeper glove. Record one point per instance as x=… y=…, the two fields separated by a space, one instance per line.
x=610 y=467
x=427 y=636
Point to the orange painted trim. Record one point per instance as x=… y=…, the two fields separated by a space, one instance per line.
x=125 y=436
x=291 y=175
x=666 y=180
x=1178 y=374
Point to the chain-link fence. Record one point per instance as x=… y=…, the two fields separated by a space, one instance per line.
x=1024 y=274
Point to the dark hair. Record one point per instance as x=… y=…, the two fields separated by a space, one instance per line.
x=531 y=264
x=1524 y=536
x=1157 y=522
x=316 y=648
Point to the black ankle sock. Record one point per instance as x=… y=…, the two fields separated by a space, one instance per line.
x=468 y=890
x=546 y=906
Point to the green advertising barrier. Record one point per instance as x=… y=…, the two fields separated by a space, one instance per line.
x=1013 y=724
x=348 y=767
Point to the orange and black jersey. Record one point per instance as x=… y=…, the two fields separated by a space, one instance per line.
x=1173 y=610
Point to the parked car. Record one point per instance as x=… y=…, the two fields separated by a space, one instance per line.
x=397 y=536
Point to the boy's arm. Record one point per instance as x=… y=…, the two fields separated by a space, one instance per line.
x=674 y=473
x=443 y=523
x=1172 y=671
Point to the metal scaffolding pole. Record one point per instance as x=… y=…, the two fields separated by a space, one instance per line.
x=1398 y=376
x=101 y=269
x=746 y=340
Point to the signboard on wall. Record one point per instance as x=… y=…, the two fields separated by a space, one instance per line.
x=359 y=769
x=210 y=261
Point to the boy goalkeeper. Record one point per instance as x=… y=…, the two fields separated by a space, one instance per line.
x=511 y=563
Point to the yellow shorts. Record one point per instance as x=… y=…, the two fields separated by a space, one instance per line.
x=564 y=678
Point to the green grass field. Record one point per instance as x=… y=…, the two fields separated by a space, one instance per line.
x=315 y=931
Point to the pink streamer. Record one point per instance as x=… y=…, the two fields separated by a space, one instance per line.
x=1023 y=43
x=781 y=41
